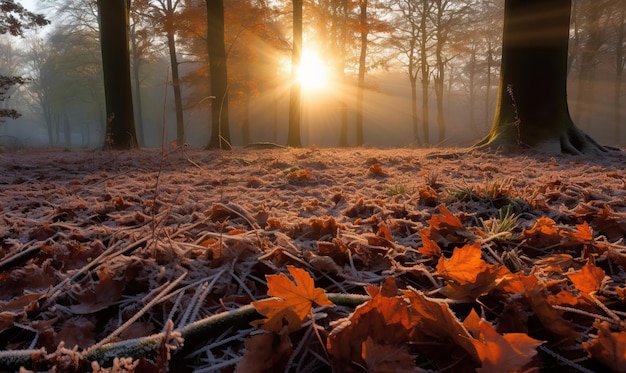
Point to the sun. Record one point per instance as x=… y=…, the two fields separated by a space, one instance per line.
x=312 y=72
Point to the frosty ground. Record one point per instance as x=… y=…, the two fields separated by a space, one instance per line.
x=93 y=239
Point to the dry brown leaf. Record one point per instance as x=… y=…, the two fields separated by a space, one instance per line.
x=446 y=229
x=464 y=265
x=384 y=318
x=472 y=323
x=376 y=169
x=267 y=353
x=467 y=275
x=549 y=317
x=544 y=233
x=104 y=294
x=381 y=358
x=292 y=303
x=588 y=279
x=79 y=332
x=608 y=347
x=583 y=234
x=503 y=353
x=429 y=247
x=434 y=321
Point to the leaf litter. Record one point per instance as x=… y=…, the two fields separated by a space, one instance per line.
x=310 y=260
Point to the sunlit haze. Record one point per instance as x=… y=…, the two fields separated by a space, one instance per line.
x=312 y=73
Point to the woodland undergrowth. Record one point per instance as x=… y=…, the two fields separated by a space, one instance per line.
x=423 y=276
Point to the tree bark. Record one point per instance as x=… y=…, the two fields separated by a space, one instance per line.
x=532 y=108
x=293 y=136
x=425 y=70
x=220 y=130
x=114 y=28
x=170 y=32
x=141 y=140
x=362 y=68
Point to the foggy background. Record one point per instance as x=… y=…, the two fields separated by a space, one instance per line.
x=62 y=104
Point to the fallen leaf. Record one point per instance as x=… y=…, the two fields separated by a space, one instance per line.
x=429 y=247
x=383 y=231
x=79 y=332
x=503 y=353
x=472 y=323
x=544 y=233
x=582 y=235
x=608 y=347
x=549 y=317
x=464 y=265
x=104 y=294
x=384 y=319
x=377 y=170
x=266 y=352
x=588 y=279
x=381 y=358
x=446 y=229
x=292 y=302
x=434 y=321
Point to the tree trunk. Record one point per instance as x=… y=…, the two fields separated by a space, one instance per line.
x=114 y=15
x=178 y=101
x=617 y=133
x=441 y=36
x=532 y=106
x=362 y=67
x=341 y=35
x=425 y=71
x=488 y=83
x=620 y=62
x=141 y=140
x=293 y=137
x=220 y=132
x=414 y=118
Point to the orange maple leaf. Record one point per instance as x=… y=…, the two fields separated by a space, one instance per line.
x=608 y=347
x=446 y=229
x=503 y=353
x=588 y=279
x=292 y=303
x=582 y=235
x=544 y=233
x=464 y=265
x=429 y=247
x=469 y=276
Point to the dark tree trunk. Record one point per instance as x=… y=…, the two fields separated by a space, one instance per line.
x=220 y=132
x=170 y=32
x=532 y=106
x=114 y=21
x=293 y=136
x=141 y=140
x=361 y=88
x=425 y=69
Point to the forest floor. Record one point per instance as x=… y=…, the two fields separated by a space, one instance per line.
x=419 y=262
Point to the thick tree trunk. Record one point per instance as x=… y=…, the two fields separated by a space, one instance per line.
x=220 y=130
x=293 y=136
x=532 y=108
x=114 y=21
x=362 y=67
